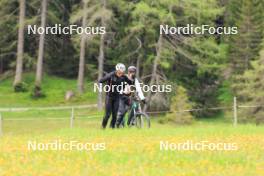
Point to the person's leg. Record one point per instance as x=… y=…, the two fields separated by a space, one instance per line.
x=115 y=106
x=121 y=112
x=131 y=115
x=108 y=110
x=126 y=109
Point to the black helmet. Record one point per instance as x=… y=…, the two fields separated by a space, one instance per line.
x=132 y=69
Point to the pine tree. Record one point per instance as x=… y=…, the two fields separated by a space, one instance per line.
x=249 y=88
x=165 y=54
x=39 y=70
x=245 y=46
x=20 y=47
x=80 y=84
x=106 y=16
x=91 y=13
x=9 y=37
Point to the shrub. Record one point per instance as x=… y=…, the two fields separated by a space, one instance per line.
x=180 y=103
x=21 y=87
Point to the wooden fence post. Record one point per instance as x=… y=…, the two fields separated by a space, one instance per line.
x=72 y=117
x=235 y=111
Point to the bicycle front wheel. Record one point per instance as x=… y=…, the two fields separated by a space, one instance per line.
x=142 y=120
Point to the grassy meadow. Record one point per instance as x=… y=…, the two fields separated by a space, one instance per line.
x=129 y=151
x=54 y=89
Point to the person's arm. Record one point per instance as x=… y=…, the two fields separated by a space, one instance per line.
x=139 y=90
x=107 y=77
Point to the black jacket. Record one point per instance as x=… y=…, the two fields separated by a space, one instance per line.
x=111 y=79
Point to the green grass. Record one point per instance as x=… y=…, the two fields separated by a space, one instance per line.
x=130 y=151
x=53 y=87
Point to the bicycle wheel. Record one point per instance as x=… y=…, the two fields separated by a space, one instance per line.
x=142 y=120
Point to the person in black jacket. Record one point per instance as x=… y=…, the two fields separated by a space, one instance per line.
x=113 y=79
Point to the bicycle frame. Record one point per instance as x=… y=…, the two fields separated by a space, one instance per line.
x=136 y=107
x=137 y=113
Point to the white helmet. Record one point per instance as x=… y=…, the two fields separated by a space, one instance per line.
x=120 y=67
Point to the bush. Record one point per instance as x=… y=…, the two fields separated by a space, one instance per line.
x=179 y=103
x=21 y=87
x=249 y=90
x=159 y=102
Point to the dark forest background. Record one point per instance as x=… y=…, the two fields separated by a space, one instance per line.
x=206 y=70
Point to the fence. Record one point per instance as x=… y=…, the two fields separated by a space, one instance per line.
x=71 y=117
x=235 y=108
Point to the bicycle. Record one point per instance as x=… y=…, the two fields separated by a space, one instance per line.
x=137 y=117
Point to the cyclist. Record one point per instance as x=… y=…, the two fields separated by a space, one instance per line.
x=127 y=95
x=113 y=79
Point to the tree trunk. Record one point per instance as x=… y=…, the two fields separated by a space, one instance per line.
x=139 y=57
x=80 y=84
x=155 y=67
x=101 y=60
x=20 y=45
x=100 y=71
x=39 y=71
x=138 y=66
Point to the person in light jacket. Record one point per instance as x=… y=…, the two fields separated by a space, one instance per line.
x=127 y=95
